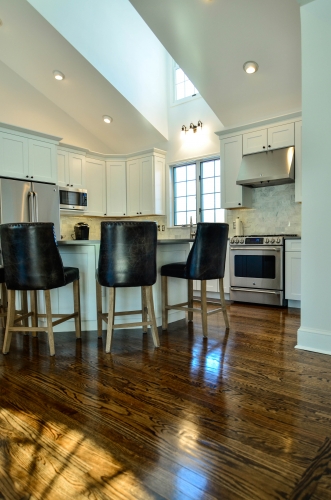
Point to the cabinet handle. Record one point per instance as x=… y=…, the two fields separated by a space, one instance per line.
x=104 y=214
x=263 y=147
x=269 y=146
x=137 y=213
x=27 y=176
x=72 y=185
x=141 y=212
x=123 y=214
x=68 y=185
x=32 y=177
x=239 y=203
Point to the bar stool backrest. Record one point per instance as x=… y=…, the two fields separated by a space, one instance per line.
x=31 y=257
x=206 y=260
x=127 y=254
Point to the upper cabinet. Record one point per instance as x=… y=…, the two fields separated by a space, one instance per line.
x=95 y=180
x=280 y=136
x=71 y=168
x=145 y=185
x=232 y=195
x=24 y=157
x=116 y=188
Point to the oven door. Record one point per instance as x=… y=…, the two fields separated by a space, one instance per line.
x=256 y=268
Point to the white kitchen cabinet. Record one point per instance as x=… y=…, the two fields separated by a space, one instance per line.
x=116 y=188
x=298 y=161
x=280 y=136
x=95 y=180
x=42 y=161
x=233 y=195
x=293 y=269
x=27 y=158
x=71 y=169
x=145 y=185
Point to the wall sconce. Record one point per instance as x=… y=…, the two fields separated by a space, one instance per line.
x=192 y=128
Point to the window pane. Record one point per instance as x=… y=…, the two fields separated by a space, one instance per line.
x=217 y=167
x=180 y=189
x=189 y=88
x=217 y=200
x=218 y=215
x=194 y=217
x=208 y=185
x=180 y=219
x=208 y=201
x=190 y=172
x=180 y=91
x=208 y=216
x=191 y=188
x=208 y=169
x=217 y=184
x=180 y=174
x=191 y=203
x=180 y=204
x=180 y=75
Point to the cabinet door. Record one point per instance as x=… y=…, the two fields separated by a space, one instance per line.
x=76 y=170
x=63 y=168
x=232 y=195
x=281 y=136
x=147 y=189
x=254 y=142
x=116 y=188
x=42 y=161
x=14 y=156
x=95 y=179
x=298 y=161
x=293 y=275
x=133 y=186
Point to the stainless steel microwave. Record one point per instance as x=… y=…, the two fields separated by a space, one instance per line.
x=72 y=198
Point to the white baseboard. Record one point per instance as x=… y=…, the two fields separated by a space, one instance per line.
x=314 y=340
x=294 y=303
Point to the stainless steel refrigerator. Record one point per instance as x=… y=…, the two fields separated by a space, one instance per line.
x=24 y=201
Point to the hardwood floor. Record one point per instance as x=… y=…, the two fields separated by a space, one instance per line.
x=240 y=415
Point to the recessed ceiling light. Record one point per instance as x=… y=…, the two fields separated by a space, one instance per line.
x=251 y=67
x=58 y=75
x=107 y=119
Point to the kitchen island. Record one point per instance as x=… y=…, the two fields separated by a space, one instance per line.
x=84 y=254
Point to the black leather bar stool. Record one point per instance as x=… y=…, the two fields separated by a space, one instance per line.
x=206 y=261
x=32 y=262
x=127 y=259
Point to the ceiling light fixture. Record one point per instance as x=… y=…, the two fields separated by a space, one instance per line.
x=192 y=128
x=58 y=75
x=107 y=119
x=251 y=67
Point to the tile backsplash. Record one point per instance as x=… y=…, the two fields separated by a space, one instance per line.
x=274 y=211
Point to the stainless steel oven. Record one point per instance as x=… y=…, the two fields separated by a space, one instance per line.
x=257 y=269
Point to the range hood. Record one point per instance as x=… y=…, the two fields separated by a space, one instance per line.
x=269 y=168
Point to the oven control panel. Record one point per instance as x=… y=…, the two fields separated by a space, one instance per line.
x=257 y=240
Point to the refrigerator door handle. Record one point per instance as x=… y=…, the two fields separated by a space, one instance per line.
x=35 y=196
x=31 y=205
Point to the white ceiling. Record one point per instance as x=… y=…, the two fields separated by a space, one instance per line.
x=212 y=39
x=32 y=48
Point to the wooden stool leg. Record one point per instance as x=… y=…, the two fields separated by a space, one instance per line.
x=34 y=310
x=99 y=307
x=10 y=321
x=190 y=299
x=111 y=316
x=49 y=322
x=204 y=307
x=76 y=292
x=225 y=313
x=164 y=293
x=4 y=303
x=144 y=307
x=151 y=314
x=24 y=299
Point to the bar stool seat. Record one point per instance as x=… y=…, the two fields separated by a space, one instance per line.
x=127 y=259
x=206 y=261
x=32 y=262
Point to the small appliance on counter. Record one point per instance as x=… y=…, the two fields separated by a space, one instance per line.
x=81 y=231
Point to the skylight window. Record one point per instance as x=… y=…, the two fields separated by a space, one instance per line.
x=183 y=86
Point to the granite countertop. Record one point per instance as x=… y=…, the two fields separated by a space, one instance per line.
x=97 y=242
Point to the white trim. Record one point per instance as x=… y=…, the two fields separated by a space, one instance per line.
x=314 y=340
x=28 y=133
x=291 y=117
x=187 y=161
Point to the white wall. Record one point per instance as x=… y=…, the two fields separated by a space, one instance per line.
x=22 y=105
x=112 y=36
x=315 y=331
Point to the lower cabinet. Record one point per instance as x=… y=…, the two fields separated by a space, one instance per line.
x=293 y=270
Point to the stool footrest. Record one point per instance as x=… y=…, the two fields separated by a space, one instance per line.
x=128 y=325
